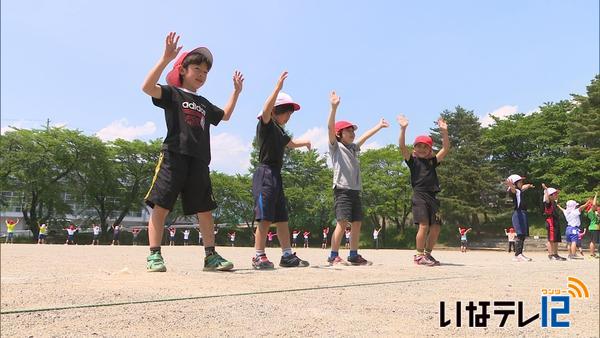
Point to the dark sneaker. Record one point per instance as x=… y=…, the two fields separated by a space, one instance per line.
x=262 y=263
x=574 y=257
x=435 y=261
x=358 y=260
x=292 y=261
x=336 y=261
x=155 y=263
x=559 y=258
x=423 y=260
x=215 y=262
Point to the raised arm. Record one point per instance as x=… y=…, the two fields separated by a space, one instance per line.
x=403 y=122
x=445 y=140
x=546 y=196
x=364 y=137
x=511 y=186
x=238 y=84
x=150 y=85
x=270 y=103
x=335 y=102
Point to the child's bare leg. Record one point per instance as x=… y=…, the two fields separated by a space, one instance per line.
x=336 y=238
x=421 y=236
x=207 y=226
x=156 y=226
x=260 y=237
x=432 y=237
x=355 y=235
x=283 y=235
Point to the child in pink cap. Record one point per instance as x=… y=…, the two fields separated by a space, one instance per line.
x=422 y=163
x=183 y=165
x=344 y=149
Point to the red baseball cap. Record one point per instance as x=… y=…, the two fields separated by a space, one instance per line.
x=339 y=125
x=424 y=139
x=173 y=75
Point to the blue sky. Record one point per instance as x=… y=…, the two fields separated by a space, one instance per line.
x=81 y=63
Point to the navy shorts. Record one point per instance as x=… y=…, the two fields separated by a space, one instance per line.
x=347 y=205
x=71 y=238
x=520 y=222
x=269 y=199
x=41 y=236
x=425 y=208
x=96 y=237
x=181 y=174
x=10 y=235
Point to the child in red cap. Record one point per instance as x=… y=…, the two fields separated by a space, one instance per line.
x=423 y=178
x=510 y=234
x=185 y=156
x=270 y=206
x=347 y=183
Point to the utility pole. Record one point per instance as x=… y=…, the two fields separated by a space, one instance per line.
x=48 y=124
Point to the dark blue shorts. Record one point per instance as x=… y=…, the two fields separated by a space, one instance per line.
x=269 y=199
x=41 y=236
x=10 y=235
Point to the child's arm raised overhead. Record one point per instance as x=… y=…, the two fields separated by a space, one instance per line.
x=150 y=85
x=238 y=84
x=364 y=137
x=270 y=103
x=511 y=186
x=335 y=102
x=403 y=122
x=445 y=140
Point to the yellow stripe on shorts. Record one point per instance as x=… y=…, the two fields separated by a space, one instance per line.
x=156 y=170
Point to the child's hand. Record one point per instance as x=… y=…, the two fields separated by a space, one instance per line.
x=171 y=49
x=308 y=145
x=544 y=186
x=334 y=99
x=402 y=121
x=282 y=78
x=383 y=123
x=442 y=124
x=238 y=81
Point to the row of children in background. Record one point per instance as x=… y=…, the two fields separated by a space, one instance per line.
x=572 y=212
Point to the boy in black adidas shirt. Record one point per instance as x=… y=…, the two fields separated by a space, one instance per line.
x=183 y=164
x=423 y=178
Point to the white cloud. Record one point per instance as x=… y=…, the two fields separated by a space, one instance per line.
x=318 y=137
x=370 y=145
x=229 y=154
x=501 y=112
x=17 y=124
x=120 y=129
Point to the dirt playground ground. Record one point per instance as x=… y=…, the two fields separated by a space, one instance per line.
x=58 y=290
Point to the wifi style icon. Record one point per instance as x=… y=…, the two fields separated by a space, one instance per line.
x=577 y=288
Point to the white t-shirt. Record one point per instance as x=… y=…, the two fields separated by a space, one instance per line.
x=199 y=234
x=172 y=232
x=375 y=234
x=347 y=234
x=572 y=217
x=97 y=230
x=294 y=235
x=186 y=234
x=71 y=231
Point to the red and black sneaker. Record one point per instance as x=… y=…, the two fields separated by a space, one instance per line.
x=358 y=260
x=435 y=261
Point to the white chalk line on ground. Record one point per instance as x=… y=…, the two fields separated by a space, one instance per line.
x=241 y=294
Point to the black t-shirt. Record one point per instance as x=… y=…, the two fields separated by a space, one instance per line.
x=271 y=140
x=423 y=176
x=518 y=204
x=188 y=118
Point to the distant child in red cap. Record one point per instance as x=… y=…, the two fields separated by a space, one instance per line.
x=463 y=238
x=270 y=206
x=511 y=235
x=347 y=183
x=423 y=178
x=183 y=163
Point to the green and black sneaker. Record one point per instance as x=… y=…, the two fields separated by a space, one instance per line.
x=215 y=262
x=155 y=263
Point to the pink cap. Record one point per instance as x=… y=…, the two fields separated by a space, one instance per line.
x=283 y=98
x=173 y=74
x=339 y=125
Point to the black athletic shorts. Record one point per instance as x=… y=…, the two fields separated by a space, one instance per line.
x=425 y=208
x=269 y=199
x=595 y=236
x=178 y=173
x=347 y=205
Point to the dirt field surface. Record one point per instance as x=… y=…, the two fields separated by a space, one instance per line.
x=58 y=290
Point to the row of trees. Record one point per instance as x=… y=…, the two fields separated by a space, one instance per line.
x=557 y=145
